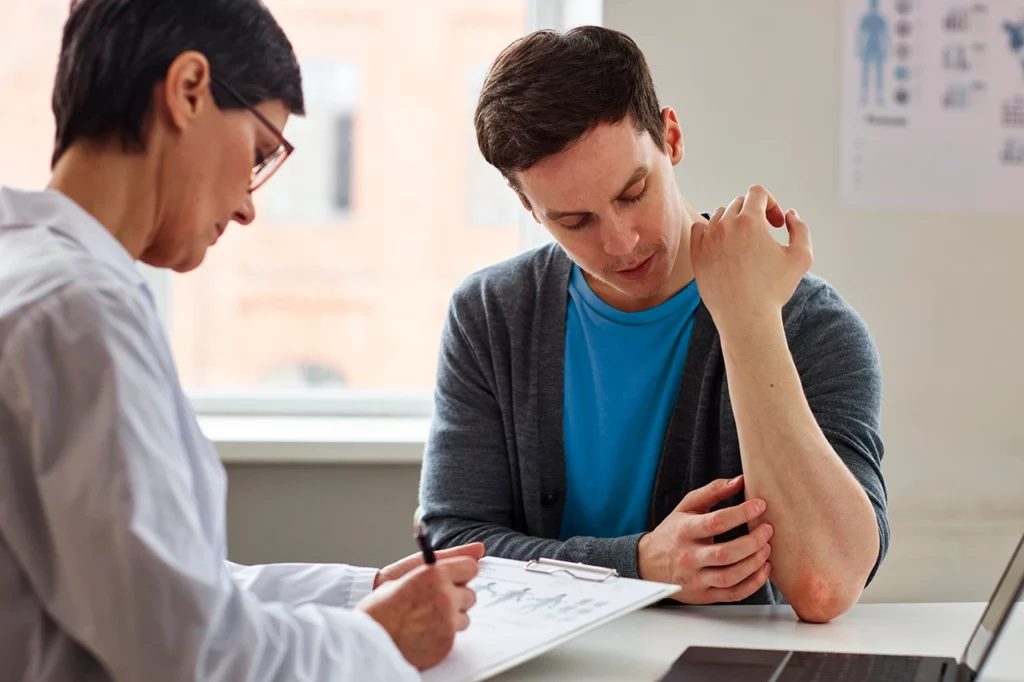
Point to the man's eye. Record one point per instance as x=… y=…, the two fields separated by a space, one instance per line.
x=635 y=193
x=582 y=222
x=260 y=158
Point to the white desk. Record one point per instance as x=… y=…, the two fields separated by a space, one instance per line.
x=643 y=645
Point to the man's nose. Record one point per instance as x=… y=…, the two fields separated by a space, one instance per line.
x=620 y=238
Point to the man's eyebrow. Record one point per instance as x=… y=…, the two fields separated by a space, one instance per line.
x=558 y=215
x=638 y=175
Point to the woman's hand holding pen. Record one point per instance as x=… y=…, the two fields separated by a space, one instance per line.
x=423 y=600
x=474 y=551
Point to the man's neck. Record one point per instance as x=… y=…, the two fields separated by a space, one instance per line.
x=682 y=269
x=113 y=187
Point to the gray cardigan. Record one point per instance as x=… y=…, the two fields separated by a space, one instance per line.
x=494 y=467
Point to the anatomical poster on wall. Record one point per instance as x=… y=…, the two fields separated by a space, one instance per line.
x=932 y=105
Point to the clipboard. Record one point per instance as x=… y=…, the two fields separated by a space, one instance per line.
x=576 y=570
x=525 y=609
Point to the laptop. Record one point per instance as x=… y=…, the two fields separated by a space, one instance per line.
x=720 y=664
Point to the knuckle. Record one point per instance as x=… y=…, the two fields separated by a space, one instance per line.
x=424 y=580
x=721 y=556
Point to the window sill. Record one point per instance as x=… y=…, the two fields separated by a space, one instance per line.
x=316 y=439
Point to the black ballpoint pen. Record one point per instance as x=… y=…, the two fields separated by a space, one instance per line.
x=424 y=541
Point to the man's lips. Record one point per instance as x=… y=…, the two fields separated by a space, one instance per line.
x=635 y=266
x=637 y=271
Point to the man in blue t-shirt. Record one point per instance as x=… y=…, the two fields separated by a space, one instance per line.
x=660 y=391
x=622 y=372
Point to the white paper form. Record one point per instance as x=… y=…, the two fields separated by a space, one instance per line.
x=520 y=615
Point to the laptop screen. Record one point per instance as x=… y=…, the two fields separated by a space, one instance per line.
x=1007 y=592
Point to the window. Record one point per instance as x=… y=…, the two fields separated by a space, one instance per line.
x=341 y=284
x=341 y=146
x=314 y=188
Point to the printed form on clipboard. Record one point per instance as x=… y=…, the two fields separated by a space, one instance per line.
x=526 y=609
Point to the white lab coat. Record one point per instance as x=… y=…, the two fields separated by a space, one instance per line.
x=112 y=544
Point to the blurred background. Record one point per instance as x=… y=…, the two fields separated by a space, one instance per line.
x=308 y=339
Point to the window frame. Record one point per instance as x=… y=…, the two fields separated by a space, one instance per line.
x=344 y=411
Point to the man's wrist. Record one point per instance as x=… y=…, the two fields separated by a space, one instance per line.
x=641 y=545
x=750 y=331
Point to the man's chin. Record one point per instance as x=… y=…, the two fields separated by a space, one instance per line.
x=638 y=291
x=631 y=295
x=649 y=286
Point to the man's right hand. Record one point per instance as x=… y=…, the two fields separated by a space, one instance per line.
x=682 y=549
x=424 y=609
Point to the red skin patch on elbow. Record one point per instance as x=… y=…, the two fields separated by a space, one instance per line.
x=817 y=602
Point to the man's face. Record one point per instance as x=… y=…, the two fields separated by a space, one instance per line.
x=610 y=200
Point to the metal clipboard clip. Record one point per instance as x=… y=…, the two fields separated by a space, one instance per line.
x=595 y=574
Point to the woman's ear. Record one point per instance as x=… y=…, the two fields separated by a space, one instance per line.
x=186 y=89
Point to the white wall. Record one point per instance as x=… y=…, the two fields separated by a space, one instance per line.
x=755 y=85
x=357 y=514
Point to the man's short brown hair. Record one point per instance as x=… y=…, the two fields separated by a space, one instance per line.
x=547 y=89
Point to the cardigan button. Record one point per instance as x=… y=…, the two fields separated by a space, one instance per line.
x=548 y=499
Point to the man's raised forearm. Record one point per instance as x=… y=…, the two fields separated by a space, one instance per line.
x=826 y=536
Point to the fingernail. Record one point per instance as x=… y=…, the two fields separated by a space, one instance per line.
x=767 y=569
x=795 y=214
x=770 y=531
x=736 y=480
x=759 y=506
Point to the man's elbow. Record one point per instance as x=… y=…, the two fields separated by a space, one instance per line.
x=819 y=600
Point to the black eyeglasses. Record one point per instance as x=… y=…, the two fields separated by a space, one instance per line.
x=267 y=166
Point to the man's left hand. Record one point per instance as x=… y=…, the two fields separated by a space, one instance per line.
x=744 y=276
x=400 y=568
